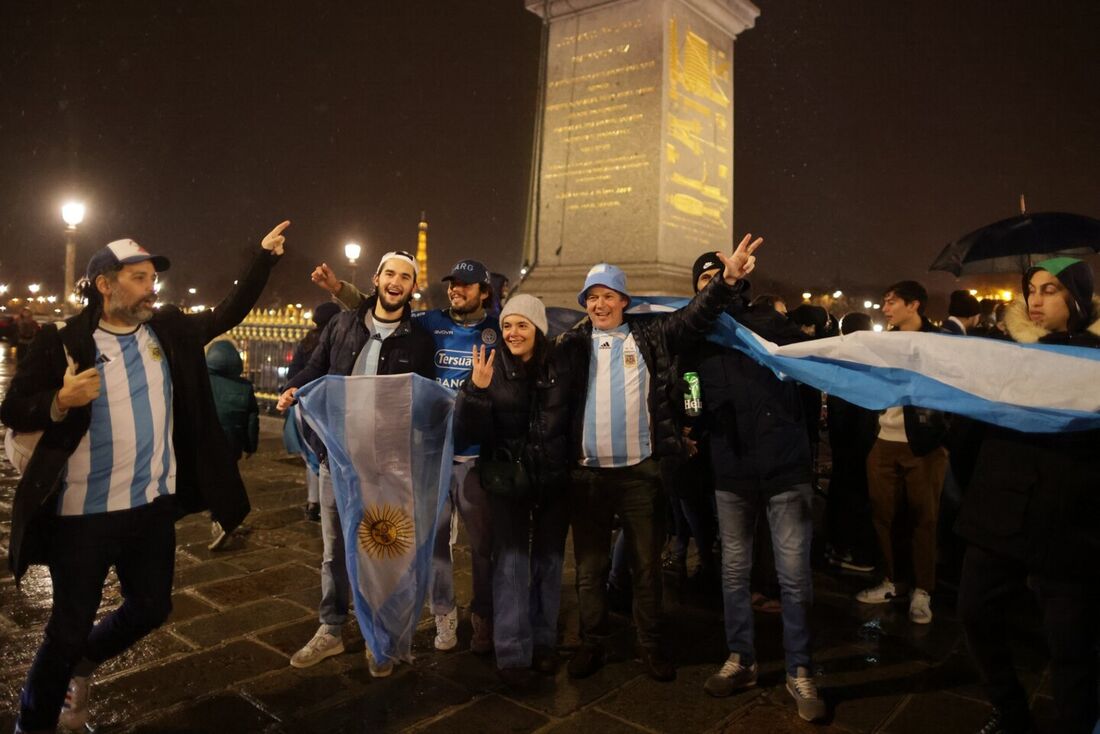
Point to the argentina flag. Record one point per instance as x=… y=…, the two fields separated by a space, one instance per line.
x=390 y=449
x=1035 y=388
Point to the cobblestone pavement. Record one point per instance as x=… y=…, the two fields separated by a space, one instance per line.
x=220 y=664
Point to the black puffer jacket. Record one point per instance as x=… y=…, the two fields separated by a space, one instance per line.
x=755 y=422
x=408 y=349
x=1035 y=497
x=659 y=338
x=523 y=401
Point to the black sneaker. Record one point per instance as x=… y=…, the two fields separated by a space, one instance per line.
x=586 y=660
x=313 y=512
x=545 y=660
x=620 y=601
x=657 y=665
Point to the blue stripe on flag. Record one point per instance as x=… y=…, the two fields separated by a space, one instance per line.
x=617 y=400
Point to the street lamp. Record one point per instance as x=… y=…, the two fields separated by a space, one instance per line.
x=72 y=212
x=352 y=251
x=34 y=288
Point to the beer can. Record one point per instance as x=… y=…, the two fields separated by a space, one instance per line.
x=693 y=398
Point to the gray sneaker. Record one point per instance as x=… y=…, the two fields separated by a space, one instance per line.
x=730 y=677
x=378 y=670
x=74 y=712
x=811 y=707
x=323 y=645
x=220 y=538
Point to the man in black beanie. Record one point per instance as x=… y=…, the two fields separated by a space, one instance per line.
x=963 y=313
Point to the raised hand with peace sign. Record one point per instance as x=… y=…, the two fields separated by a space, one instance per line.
x=482 y=373
x=742 y=261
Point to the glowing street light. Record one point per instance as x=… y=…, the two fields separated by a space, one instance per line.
x=3 y=288
x=352 y=251
x=192 y=291
x=876 y=327
x=34 y=288
x=806 y=295
x=72 y=213
x=838 y=293
x=867 y=304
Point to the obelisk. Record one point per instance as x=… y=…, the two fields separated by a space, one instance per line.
x=635 y=142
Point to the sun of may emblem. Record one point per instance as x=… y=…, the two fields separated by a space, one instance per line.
x=385 y=532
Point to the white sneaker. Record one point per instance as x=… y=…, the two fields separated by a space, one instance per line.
x=74 y=712
x=376 y=670
x=730 y=677
x=920 y=607
x=881 y=594
x=811 y=707
x=219 y=537
x=323 y=645
x=446 y=630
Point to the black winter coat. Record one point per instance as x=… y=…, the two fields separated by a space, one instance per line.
x=755 y=422
x=408 y=349
x=659 y=338
x=1035 y=497
x=206 y=472
x=521 y=404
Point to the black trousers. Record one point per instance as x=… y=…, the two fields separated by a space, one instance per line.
x=141 y=545
x=1071 y=617
x=634 y=494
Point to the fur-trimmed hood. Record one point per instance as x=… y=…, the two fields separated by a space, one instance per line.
x=1023 y=330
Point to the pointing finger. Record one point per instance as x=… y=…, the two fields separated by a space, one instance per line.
x=279 y=228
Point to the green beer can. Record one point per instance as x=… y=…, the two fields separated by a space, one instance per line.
x=693 y=398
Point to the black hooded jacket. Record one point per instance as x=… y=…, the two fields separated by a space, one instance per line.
x=754 y=422
x=1035 y=497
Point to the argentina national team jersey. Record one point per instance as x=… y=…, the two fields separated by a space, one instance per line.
x=126 y=459
x=616 y=416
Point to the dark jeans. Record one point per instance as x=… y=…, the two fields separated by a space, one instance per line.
x=634 y=494
x=141 y=545
x=790 y=524
x=528 y=550
x=1071 y=616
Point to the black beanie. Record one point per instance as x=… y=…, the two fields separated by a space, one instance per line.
x=324 y=313
x=963 y=305
x=703 y=263
x=1076 y=276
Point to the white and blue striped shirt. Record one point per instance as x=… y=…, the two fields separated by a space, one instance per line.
x=616 y=412
x=126 y=459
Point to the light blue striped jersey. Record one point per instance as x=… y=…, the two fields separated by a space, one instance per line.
x=616 y=412
x=126 y=458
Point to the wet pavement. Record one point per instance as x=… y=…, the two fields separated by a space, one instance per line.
x=220 y=664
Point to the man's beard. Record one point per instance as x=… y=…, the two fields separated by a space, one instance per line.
x=135 y=314
x=390 y=306
x=467 y=308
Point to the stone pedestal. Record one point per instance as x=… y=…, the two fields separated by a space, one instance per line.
x=636 y=142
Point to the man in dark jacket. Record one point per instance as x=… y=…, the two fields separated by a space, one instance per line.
x=963 y=313
x=122 y=399
x=378 y=337
x=1031 y=514
x=760 y=451
x=623 y=424
x=905 y=469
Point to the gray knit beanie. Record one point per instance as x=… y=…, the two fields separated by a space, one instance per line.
x=528 y=307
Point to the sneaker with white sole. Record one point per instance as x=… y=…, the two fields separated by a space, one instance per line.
x=446 y=630
x=378 y=670
x=74 y=712
x=219 y=536
x=730 y=677
x=811 y=706
x=323 y=645
x=885 y=592
x=920 y=607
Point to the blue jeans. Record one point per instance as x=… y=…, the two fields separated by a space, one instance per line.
x=529 y=545
x=791 y=524
x=335 y=589
x=469 y=499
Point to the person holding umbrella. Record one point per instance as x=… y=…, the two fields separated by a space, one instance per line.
x=1031 y=515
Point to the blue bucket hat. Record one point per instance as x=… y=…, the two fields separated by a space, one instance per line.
x=606 y=275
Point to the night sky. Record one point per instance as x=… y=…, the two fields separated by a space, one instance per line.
x=867 y=134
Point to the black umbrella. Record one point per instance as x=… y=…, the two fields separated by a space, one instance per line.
x=1012 y=245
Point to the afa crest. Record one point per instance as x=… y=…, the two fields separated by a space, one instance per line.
x=154 y=352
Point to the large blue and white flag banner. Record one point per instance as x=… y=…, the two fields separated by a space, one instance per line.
x=389 y=453
x=1036 y=388
x=1032 y=388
